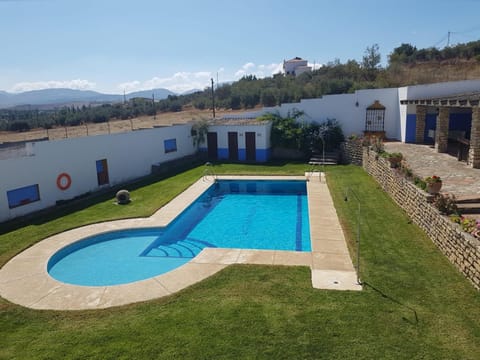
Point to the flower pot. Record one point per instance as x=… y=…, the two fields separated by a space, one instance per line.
x=394 y=161
x=434 y=188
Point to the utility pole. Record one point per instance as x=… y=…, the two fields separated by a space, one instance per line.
x=448 y=38
x=153 y=104
x=213 y=99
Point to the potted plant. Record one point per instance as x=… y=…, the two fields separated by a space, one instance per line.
x=434 y=184
x=395 y=159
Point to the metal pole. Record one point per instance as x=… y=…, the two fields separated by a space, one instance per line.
x=358 y=245
x=154 y=109
x=323 y=149
x=213 y=99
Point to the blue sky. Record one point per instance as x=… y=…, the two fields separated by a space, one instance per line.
x=115 y=45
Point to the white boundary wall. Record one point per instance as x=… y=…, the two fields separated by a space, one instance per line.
x=129 y=156
x=344 y=109
x=351 y=117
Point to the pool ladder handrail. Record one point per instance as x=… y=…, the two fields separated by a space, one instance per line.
x=315 y=169
x=208 y=174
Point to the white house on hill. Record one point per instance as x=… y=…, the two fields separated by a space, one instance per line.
x=296 y=66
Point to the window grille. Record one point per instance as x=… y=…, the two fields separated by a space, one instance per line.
x=375 y=118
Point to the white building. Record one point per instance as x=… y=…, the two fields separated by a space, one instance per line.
x=238 y=140
x=296 y=66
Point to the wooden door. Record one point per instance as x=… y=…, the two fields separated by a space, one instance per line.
x=232 y=146
x=250 y=146
x=212 y=145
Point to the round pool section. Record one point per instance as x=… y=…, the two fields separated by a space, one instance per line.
x=112 y=259
x=264 y=215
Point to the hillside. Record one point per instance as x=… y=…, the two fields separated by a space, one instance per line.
x=434 y=71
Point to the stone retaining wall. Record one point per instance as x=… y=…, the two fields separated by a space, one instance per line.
x=352 y=152
x=462 y=249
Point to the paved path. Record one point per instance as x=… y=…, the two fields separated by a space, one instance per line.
x=24 y=280
x=457 y=177
x=332 y=267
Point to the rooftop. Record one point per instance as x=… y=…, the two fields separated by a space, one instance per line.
x=238 y=121
x=469 y=99
x=296 y=59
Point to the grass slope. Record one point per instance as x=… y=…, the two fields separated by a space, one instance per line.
x=415 y=305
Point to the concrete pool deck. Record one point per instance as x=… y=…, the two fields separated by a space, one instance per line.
x=24 y=280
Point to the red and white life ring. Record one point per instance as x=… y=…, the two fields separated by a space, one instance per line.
x=64 y=181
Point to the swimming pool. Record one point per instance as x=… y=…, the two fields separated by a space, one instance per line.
x=230 y=214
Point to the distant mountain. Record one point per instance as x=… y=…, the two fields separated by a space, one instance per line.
x=68 y=96
x=192 y=91
x=4 y=96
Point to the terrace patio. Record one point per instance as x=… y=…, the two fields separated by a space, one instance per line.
x=458 y=178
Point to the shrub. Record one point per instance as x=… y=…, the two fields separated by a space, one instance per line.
x=408 y=172
x=376 y=145
x=445 y=203
x=470 y=226
x=19 y=126
x=419 y=183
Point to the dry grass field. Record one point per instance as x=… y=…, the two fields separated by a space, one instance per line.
x=113 y=126
x=435 y=71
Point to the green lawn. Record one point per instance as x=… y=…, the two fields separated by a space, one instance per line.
x=415 y=304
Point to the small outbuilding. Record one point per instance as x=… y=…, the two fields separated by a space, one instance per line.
x=245 y=139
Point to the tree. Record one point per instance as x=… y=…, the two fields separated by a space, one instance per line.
x=199 y=131
x=404 y=53
x=235 y=102
x=268 y=98
x=286 y=131
x=19 y=126
x=371 y=61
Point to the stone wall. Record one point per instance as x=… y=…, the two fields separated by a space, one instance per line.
x=462 y=249
x=352 y=152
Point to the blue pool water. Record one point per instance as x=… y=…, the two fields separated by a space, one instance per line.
x=231 y=214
